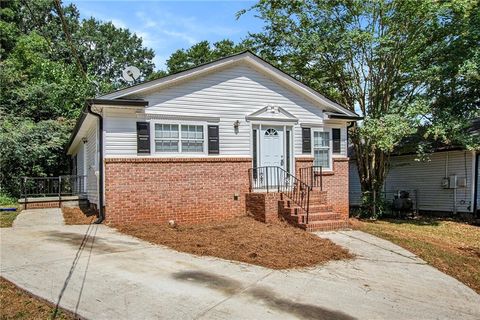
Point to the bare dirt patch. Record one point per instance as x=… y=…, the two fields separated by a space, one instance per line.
x=76 y=215
x=18 y=304
x=276 y=246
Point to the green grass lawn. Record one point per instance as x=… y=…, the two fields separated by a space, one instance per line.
x=7 y=217
x=451 y=246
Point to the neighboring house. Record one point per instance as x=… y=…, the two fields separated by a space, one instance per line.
x=447 y=182
x=180 y=147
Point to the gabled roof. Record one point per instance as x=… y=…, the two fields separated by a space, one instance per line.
x=247 y=57
x=275 y=113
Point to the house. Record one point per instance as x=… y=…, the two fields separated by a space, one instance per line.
x=191 y=147
x=445 y=183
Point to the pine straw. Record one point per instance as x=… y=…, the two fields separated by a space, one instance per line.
x=276 y=246
x=19 y=304
x=76 y=215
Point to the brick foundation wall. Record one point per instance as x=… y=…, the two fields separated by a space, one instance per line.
x=263 y=207
x=187 y=190
x=50 y=204
x=40 y=205
x=335 y=183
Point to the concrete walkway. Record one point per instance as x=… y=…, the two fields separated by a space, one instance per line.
x=101 y=274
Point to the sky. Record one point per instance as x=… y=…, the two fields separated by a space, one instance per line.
x=166 y=26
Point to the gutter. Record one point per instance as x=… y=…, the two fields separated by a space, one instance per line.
x=133 y=103
x=101 y=212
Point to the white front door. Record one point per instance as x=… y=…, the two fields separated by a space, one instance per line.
x=271 y=153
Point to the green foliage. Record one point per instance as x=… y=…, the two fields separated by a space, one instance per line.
x=203 y=52
x=372 y=207
x=32 y=148
x=6 y=200
x=43 y=88
x=402 y=64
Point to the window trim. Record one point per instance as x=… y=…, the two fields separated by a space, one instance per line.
x=204 y=125
x=330 y=153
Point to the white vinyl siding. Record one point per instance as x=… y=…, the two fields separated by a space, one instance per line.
x=81 y=160
x=230 y=95
x=92 y=165
x=80 y=154
x=120 y=128
x=426 y=177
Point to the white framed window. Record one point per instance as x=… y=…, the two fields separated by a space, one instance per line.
x=192 y=138
x=179 y=138
x=166 y=138
x=321 y=149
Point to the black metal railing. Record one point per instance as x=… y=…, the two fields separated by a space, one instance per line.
x=276 y=179
x=312 y=176
x=35 y=187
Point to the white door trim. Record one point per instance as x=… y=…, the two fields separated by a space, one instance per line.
x=260 y=145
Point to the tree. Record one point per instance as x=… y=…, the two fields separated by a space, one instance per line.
x=371 y=56
x=454 y=79
x=203 y=52
x=42 y=88
x=31 y=148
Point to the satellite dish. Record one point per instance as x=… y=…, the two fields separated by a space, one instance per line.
x=130 y=73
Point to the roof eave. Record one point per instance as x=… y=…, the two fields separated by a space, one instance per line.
x=136 y=103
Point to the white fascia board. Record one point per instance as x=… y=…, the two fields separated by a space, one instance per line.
x=86 y=124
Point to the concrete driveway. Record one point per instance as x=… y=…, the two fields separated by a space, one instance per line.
x=101 y=274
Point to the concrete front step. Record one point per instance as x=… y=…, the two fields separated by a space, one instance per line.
x=325 y=225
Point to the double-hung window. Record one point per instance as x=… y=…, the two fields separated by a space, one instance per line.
x=166 y=138
x=192 y=138
x=175 y=138
x=321 y=149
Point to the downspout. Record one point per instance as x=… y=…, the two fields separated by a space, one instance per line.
x=101 y=212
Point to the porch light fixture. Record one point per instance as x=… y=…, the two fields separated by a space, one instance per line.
x=236 y=124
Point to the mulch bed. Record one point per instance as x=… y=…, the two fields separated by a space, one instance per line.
x=76 y=215
x=275 y=246
x=16 y=303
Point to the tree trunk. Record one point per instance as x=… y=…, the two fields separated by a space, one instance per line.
x=372 y=165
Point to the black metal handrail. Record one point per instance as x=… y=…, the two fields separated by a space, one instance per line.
x=276 y=179
x=312 y=176
x=34 y=187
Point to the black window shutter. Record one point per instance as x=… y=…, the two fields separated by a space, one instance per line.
x=306 y=140
x=143 y=137
x=336 y=140
x=213 y=140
